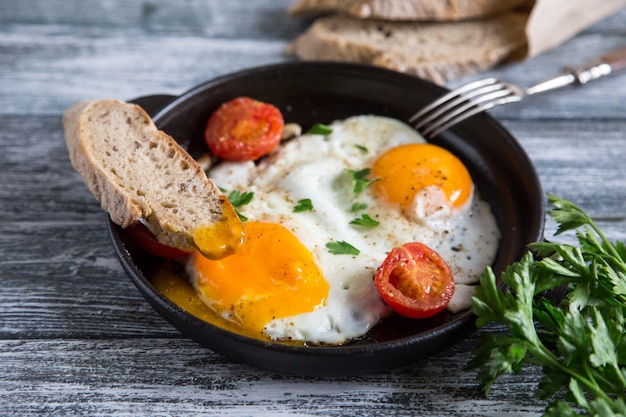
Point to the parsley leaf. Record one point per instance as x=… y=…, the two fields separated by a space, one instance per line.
x=238 y=199
x=359 y=179
x=357 y=207
x=580 y=340
x=362 y=148
x=320 y=129
x=303 y=205
x=365 y=220
x=342 y=248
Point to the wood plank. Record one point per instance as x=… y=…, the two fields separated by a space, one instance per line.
x=578 y=160
x=207 y=18
x=120 y=66
x=150 y=375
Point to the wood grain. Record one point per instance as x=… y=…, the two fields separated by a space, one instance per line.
x=60 y=375
x=76 y=338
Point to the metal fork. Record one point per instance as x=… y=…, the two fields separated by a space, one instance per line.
x=485 y=94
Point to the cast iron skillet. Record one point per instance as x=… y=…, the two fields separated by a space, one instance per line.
x=308 y=93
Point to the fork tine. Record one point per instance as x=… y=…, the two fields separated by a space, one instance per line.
x=436 y=129
x=452 y=94
x=463 y=105
x=494 y=91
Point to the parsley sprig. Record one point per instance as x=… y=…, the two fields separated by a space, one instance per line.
x=238 y=199
x=365 y=220
x=579 y=341
x=357 y=207
x=303 y=205
x=320 y=129
x=359 y=179
x=342 y=248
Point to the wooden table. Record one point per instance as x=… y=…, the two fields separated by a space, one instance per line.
x=76 y=338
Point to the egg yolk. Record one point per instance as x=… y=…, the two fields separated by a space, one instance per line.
x=222 y=238
x=404 y=170
x=272 y=276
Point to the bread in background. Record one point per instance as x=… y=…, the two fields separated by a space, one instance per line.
x=437 y=51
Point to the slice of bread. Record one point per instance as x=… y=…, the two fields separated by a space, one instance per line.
x=139 y=173
x=411 y=10
x=438 y=51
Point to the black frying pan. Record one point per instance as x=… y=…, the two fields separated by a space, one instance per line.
x=308 y=93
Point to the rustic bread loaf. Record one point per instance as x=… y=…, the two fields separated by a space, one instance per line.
x=138 y=172
x=411 y=10
x=439 y=51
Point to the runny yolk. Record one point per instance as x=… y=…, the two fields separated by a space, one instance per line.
x=272 y=276
x=222 y=238
x=405 y=170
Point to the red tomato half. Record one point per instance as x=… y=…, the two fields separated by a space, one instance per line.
x=415 y=281
x=244 y=129
x=146 y=240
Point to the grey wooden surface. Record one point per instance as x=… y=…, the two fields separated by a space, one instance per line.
x=76 y=338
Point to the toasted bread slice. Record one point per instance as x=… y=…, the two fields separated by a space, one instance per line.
x=408 y=10
x=138 y=172
x=438 y=51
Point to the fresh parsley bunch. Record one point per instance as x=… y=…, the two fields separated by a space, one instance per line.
x=579 y=340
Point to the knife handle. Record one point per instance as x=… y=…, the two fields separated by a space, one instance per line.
x=616 y=59
x=599 y=67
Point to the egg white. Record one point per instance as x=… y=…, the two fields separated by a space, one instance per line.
x=312 y=167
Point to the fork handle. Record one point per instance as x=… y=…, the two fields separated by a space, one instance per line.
x=606 y=64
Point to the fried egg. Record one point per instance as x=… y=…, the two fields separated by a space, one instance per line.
x=306 y=271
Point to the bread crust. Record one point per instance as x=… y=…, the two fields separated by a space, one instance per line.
x=408 y=10
x=122 y=210
x=139 y=172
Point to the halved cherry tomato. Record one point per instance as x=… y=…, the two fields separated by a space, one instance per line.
x=415 y=281
x=244 y=129
x=146 y=240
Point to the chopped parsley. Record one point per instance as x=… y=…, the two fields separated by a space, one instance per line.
x=359 y=179
x=238 y=199
x=303 y=205
x=320 y=129
x=342 y=248
x=365 y=220
x=357 y=207
x=362 y=148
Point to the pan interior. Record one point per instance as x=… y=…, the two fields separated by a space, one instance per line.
x=309 y=93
